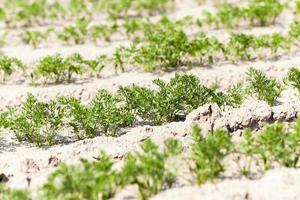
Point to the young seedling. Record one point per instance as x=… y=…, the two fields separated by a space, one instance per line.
x=149 y=170
x=294 y=31
x=264 y=12
x=170 y=102
x=97 y=65
x=13 y=194
x=264 y=88
x=74 y=64
x=51 y=67
x=208 y=154
x=240 y=46
x=87 y=180
x=274 y=42
x=37 y=122
x=275 y=145
x=76 y=33
x=34 y=38
x=293 y=78
x=9 y=65
x=109 y=113
x=80 y=117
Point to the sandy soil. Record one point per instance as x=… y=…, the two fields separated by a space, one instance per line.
x=23 y=161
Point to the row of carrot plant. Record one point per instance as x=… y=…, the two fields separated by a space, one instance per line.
x=41 y=122
x=256 y=12
x=153 y=170
x=165 y=46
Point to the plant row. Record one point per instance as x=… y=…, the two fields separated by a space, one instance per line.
x=42 y=122
x=152 y=170
x=21 y=12
x=82 y=31
x=165 y=46
x=255 y=13
x=53 y=68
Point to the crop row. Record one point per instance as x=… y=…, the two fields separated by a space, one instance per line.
x=82 y=31
x=257 y=12
x=41 y=122
x=165 y=46
x=169 y=46
x=43 y=11
x=152 y=170
x=53 y=67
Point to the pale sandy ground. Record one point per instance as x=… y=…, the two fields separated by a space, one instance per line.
x=22 y=161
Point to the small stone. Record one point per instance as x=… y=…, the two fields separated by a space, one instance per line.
x=53 y=161
x=3 y=178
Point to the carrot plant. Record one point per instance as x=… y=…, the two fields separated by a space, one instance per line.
x=34 y=38
x=164 y=50
x=204 y=48
x=256 y=13
x=60 y=69
x=74 y=33
x=208 y=154
x=51 y=67
x=109 y=113
x=14 y=194
x=74 y=64
x=149 y=169
x=80 y=117
x=102 y=32
x=273 y=42
x=96 y=65
x=227 y=15
x=86 y=180
x=294 y=31
x=293 y=78
x=264 y=12
x=37 y=122
x=171 y=102
x=8 y=65
x=240 y=46
x=265 y=88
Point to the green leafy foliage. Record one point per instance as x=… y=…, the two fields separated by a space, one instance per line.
x=274 y=42
x=164 y=50
x=265 y=88
x=9 y=65
x=182 y=94
x=75 y=33
x=87 y=180
x=205 y=48
x=227 y=15
x=51 y=67
x=256 y=13
x=110 y=113
x=37 y=122
x=274 y=145
x=13 y=194
x=264 y=12
x=149 y=170
x=293 y=78
x=294 y=31
x=208 y=154
x=34 y=38
x=240 y=46
x=58 y=68
x=80 y=117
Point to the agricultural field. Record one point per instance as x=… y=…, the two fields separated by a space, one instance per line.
x=149 y=99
